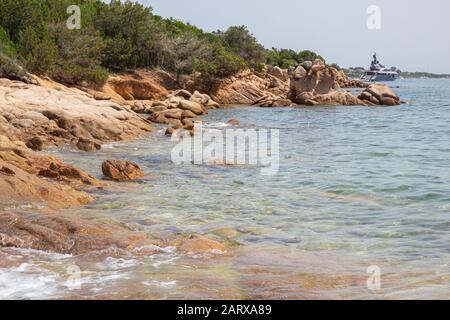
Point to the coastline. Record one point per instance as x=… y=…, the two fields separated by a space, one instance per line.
x=47 y=114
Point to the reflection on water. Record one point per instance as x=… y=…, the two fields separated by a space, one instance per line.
x=357 y=187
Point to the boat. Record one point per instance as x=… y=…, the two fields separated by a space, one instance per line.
x=378 y=72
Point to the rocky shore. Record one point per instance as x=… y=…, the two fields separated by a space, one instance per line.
x=40 y=114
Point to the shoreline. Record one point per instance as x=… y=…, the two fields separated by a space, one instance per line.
x=52 y=115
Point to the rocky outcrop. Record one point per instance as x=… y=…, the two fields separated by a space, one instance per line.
x=55 y=233
x=248 y=88
x=316 y=84
x=59 y=115
x=119 y=170
x=379 y=94
x=30 y=178
x=180 y=110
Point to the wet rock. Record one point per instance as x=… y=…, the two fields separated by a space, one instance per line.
x=200 y=244
x=66 y=235
x=88 y=145
x=188 y=114
x=380 y=94
x=159 y=117
x=119 y=170
x=233 y=122
x=173 y=113
x=169 y=131
x=175 y=123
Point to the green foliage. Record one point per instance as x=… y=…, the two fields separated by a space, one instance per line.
x=244 y=44
x=285 y=58
x=38 y=50
x=119 y=35
x=80 y=54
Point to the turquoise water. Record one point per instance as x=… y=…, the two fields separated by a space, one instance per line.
x=356 y=187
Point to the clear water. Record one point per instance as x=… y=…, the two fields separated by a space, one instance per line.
x=357 y=187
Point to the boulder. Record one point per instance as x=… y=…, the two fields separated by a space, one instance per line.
x=175 y=123
x=182 y=93
x=88 y=145
x=192 y=106
x=159 y=117
x=119 y=170
x=278 y=73
x=188 y=114
x=172 y=113
x=307 y=65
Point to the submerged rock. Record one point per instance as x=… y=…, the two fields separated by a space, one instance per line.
x=88 y=145
x=200 y=244
x=119 y=170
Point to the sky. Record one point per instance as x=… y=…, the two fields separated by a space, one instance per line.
x=413 y=34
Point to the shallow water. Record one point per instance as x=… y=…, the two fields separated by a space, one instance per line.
x=357 y=187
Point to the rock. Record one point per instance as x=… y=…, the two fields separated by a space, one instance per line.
x=182 y=93
x=299 y=72
x=365 y=95
x=59 y=115
x=159 y=118
x=66 y=235
x=201 y=99
x=381 y=94
x=213 y=105
x=200 y=244
x=173 y=113
x=311 y=102
x=169 y=131
x=158 y=108
x=7 y=171
x=307 y=65
x=233 y=122
x=175 y=123
x=119 y=170
x=389 y=101
x=102 y=96
x=278 y=73
x=192 y=106
x=374 y=100
x=320 y=86
x=35 y=144
x=88 y=145
x=19 y=187
x=188 y=121
x=318 y=65
x=130 y=88
x=188 y=114
x=23 y=123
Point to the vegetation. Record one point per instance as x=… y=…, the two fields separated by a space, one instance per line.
x=123 y=35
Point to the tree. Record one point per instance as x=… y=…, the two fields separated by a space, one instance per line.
x=80 y=54
x=182 y=53
x=38 y=50
x=244 y=44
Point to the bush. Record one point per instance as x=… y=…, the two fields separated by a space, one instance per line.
x=80 y=54
x=38 y=49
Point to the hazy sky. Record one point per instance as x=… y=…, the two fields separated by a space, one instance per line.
x=414 y=34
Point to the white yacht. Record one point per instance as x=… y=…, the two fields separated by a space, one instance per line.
x=378 y=72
